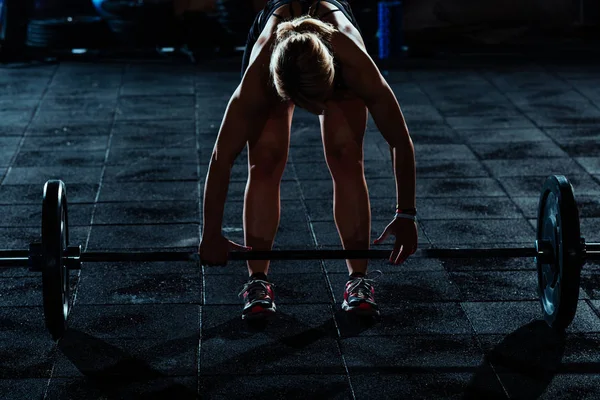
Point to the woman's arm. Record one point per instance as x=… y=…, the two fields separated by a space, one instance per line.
x=244 y=119
x=362 y=77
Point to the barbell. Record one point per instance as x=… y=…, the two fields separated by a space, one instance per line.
x=559 y=252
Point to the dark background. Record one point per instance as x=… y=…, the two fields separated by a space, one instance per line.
x=428 y=27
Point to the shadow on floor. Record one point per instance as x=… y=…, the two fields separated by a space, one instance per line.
x=526 y=360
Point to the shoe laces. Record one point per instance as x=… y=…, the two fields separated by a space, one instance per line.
x=363 y=285
x=255 y=288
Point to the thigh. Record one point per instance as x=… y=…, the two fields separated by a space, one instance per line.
x=343 y=127
x=272 y=145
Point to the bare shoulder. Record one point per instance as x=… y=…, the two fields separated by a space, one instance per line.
x=360 y=72
x=255 y=87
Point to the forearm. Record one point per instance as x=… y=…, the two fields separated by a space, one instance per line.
x=215 y=195
x=392 y=125
x=403 y=161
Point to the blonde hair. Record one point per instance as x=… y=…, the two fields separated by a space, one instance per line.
x=302 y=64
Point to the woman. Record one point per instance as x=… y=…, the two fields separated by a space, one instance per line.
x=308 y=54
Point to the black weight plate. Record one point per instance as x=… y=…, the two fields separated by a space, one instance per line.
x=55 y=275
x=558 y=280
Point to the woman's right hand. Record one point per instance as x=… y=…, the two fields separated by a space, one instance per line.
x=215 y=250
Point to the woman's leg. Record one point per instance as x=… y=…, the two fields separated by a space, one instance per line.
x=343 y=127
x=267 y=158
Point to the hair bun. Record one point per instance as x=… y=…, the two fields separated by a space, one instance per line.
x=285 y=29
x=301 y=25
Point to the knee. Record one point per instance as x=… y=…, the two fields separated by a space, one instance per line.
x=268 y=164
x=345 y=159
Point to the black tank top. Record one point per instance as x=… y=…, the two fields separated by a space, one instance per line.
x=305 y=4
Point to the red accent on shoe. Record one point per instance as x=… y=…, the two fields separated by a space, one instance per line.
x=256 y=309
x=365 y=306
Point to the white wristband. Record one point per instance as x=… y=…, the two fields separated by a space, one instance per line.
x=406 y=216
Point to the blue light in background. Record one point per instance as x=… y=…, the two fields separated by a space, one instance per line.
x=390 y=29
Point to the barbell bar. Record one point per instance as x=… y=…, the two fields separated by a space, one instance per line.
x=559 y=254
x=21 y=258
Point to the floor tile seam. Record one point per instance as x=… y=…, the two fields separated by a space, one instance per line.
x=595 y=178
x=144 y=163
x=144 y=160
x=471 y=159
x=447 y=272
x=123 y=168
x=524 y=217
x=473 y=270
x=134 y=181
x=556 y=143
x=50 y=375
x=125 y=202
x=199 y=338
x=420 y=272
x=295 y=302
x=477 y=270
x=471 y=244
x=200 y=203
x=38 y=378
x=470 y=218
x=416 y=369
x=103 y=304
x=480 y=345
x=574 y=88
x=588 y=301
x=292 y=302
x=588 y=174
x=543 y=130
x=91 y=225
x=424 y=335
x=60 y=147
x=75 y=292
x=268 y=374
x=161 y=94
x=283 y=199
x=24 y=134
x=482 y=160
x=329 y=286
x=380 y=197
x=361 y=371
x=115 y=222
x=106 y=157
x=83 y=376
x=445 y=122
x=330 y=197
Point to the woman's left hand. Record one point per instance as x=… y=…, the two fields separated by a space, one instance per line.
x=405 y=231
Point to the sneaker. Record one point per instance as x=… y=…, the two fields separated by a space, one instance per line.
x=258 y=299
x=359 y=297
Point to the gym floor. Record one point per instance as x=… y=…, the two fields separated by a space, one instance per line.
x=132 y=142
